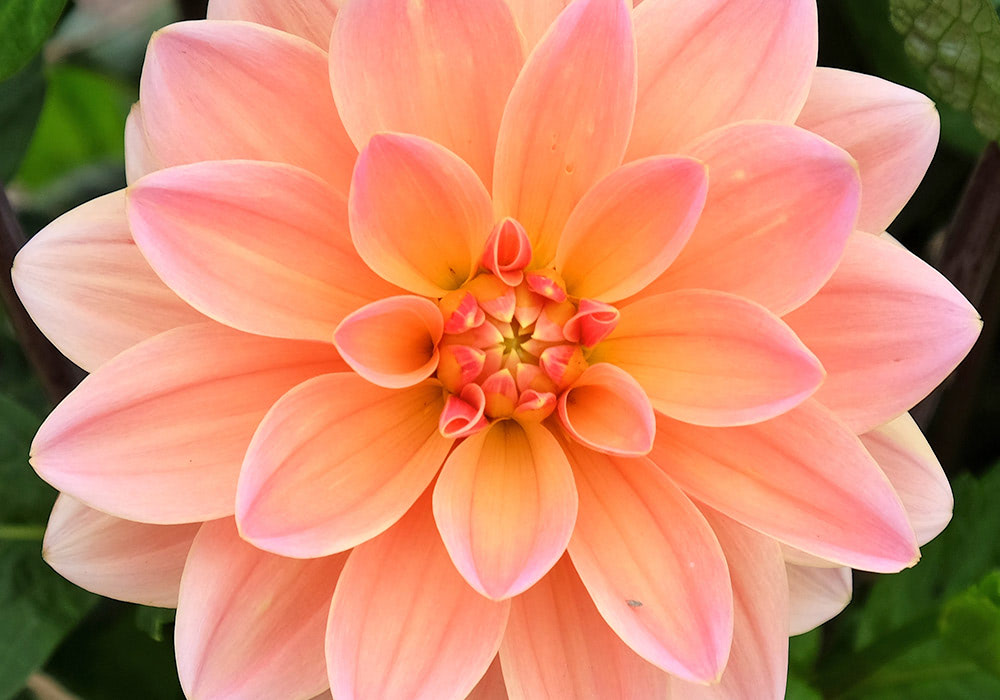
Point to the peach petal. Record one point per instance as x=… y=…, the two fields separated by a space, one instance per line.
x=250 y=624
x=309 y=19
x=547 y=284
x=593 y=322
x=535 y=406
x=563 y=364
x=508 y=252
x=392 y=342
x=567 y=122
x=780 y=208
x=534 y=17
x=419 y=215
x=802 y=478
x=458 y=365
x=711 y=358
x=505 y=505
x=885 y=320
x=139 y=159
x=891 y=130
x=630 y=226
x=557 y=645
x=652 y=564
x=491 y=686
x=463 y=415
x=528 y=305
x=494 y=297
x=908 y=461
x=758 y=661
x=281 y=265
x=223 y=90
x=608 y=411
x=816 y=595
x=707 y=63
x=460 y=311
x=335 y=462
x=117 y=558
x=87 y=286
x=501 y=394
x=158 y=433
x=404 y=625
x=436 y=69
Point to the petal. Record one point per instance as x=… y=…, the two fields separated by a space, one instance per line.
x=491 y=686
x=567 y=121
x=117 y=558
x=781 y=205
x=419 y=215
x=911 y=467
x=608 y=411
x=802 y=478
x=630 y=226
x=392 y=342
x=816 y=594
x=404 y=624
x=250 y=624
x=262 y=247
x=159 y=432
x=711 y=358
x=557 y=645
x=534 y=17
x=891 y=130
x=435 y=69
x=758 y=662
x=707 y=63
x=888 y=328
x=505 y=505
x=309 y=19
x=139 y=159
x=87 y=286
x=335 y=462
x=223 y=90
x=652 y=565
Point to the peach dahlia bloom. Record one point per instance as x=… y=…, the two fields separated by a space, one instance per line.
x=502 y=348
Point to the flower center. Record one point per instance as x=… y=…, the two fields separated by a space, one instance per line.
x=514 y=339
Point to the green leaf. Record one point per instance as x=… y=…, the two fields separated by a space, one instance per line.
x=24 y=26
x=21 y=98
x=153 y=621
x=82 y=123
x=957 y=43
x=970 y=623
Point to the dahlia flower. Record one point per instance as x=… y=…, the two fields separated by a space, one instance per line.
x=489 y=349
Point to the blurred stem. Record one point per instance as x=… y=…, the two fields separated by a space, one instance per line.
x=21 y=533
x=969 y=260
x=58 y=375
x=846 y=671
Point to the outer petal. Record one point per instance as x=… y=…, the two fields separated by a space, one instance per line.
x=491 y=686
x=557 y=645
x=652 y=565
x=222 y=90
x=909 y=462
x=310 y=19
x=263 y=247
x=711 y=358
x=707 y=63
x=392 y=342
x=158 y=433
x=888 y=328
x=534 y=17
x=337 y=461
x=758 y=663
x=139 y=159
x=802 y=478
x=88 y=287
x=891 y=130
x=250 y=624
x=630 y=226
x=816 y=594
x=404 y=625
x=608 y=411
x=419 y=215
x=437 y=69
x=567 y=121
x=117 y=558
x=781 y=205
x=505 y=505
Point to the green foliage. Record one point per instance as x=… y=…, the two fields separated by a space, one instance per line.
x=24 y=25
x=957 y=43
x=21 y=98
x=154 y=621
x=970 y=623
